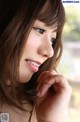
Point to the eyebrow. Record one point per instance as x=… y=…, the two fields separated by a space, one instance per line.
x=53 y=27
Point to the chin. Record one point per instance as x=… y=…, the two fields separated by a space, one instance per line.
x=25 y=79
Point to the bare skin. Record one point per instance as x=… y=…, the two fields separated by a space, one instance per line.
x=51 y=102
x=52 y=98
x=53 y=91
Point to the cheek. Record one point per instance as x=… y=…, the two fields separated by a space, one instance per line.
x=32 y=41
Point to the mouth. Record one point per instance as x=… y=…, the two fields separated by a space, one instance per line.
x=33 y=65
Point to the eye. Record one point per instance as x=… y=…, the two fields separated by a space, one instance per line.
x=53 y=40
x=39 y=30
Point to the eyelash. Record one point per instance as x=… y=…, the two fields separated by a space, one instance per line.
x=41 y=31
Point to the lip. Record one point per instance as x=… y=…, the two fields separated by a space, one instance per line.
x=33 y=65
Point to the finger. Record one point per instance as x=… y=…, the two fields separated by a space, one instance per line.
x=58 y=82
x=45 y=74
x=42 y=75
x=43 y=89
x=42 y=78
x=44 y=84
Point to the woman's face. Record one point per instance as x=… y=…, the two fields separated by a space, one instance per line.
x=37 y=50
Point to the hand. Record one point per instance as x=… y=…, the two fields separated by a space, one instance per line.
x=52 y=98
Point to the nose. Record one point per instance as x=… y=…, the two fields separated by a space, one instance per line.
x=46 y=48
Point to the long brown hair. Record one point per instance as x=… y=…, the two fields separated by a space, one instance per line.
x=12 y=42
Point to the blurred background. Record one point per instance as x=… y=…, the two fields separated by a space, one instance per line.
x=69 y=65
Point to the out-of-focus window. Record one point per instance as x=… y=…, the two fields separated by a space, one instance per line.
x=69 y=65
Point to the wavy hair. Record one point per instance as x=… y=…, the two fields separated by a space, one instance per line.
x=16 y=21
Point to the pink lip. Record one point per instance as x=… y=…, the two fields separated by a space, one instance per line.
x=31 y=66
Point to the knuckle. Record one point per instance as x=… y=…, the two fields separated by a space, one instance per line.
x=53 y=72
x=62 y=77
